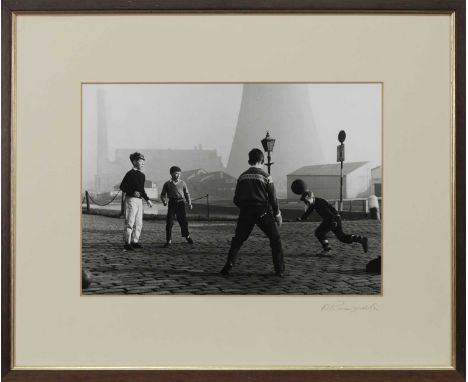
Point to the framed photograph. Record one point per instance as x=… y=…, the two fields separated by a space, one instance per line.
x=208 y=188
x=232 y=191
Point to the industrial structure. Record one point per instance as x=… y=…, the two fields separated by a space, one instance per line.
x=285 y=111
x=158 y=161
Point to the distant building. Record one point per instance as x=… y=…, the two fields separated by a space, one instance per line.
x=218 y=184
x=376 y=181
x=324 y=180
x=158 y=161
x=157 y=164
x=151 y=189
x=190 y=174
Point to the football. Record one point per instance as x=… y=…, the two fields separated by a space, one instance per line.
x=298 y=187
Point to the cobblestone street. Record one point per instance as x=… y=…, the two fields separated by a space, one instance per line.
x=186 y=269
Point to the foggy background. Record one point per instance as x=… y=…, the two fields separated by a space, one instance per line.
x=142 y=117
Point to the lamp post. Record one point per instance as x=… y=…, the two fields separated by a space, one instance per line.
x=340 y=157
x=268 y=144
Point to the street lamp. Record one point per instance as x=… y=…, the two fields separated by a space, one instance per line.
x=340 y=157
x=268 y=144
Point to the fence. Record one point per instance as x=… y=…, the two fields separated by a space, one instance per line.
x=357 y=205
x=354 y=205
x=90 y=200
x=349 y=205
x=207 y=196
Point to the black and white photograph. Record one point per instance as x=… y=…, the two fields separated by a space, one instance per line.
x=232 y=189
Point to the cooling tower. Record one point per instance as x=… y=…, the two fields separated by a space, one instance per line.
x=285 y=111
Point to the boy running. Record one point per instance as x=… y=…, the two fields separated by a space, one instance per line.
x=331 y=219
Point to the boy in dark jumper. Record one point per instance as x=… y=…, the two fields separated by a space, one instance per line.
x=133 y=185
x=331 y=219
x=255 y=196
x=173 y=193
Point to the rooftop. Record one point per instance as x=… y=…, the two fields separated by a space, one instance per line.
x=328 y=169
x=212 y=175
x=191 y=173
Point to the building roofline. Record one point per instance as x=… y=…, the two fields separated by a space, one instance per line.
x=348 y=171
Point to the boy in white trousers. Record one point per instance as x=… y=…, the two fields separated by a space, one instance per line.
x=133 y=185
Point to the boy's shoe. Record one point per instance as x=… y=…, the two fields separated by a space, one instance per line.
x=365 y=244
x=189 y=240
x=279 y=274
x=167 y=245
x=136 y=245
x=128 y=247
x=325 y=253
x=226 y=269
x=279 y=270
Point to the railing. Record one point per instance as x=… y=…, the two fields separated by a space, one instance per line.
x=90 y=200
x=207 y=196
x=349 y=205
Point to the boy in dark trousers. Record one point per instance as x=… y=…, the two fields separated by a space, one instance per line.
x=133 y=185
x=331 y=219
x=173 y=194
x=255 y=196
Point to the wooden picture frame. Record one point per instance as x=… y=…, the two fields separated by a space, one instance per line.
x=456 y=7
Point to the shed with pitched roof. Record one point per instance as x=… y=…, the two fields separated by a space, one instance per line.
x=324 y=180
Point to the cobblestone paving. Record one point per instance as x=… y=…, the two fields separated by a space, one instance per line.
x=186 y=269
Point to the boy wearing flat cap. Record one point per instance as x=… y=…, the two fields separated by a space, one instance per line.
x=133 y=185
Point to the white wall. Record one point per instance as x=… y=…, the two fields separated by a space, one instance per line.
x=324 y=186
x=358 y=183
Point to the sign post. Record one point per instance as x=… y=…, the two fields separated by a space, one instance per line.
x=340 y=157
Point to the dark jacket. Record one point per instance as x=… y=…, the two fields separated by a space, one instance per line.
x=323 y=208
x=255 y=188
x=134 y=180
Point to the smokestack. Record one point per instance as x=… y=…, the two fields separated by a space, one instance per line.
x=102 y=144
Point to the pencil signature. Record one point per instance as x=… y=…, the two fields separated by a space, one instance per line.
x=347 y=307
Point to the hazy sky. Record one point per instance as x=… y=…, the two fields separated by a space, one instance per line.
x=144 y=116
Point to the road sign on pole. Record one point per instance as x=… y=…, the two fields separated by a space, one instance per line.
x=340 y=153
